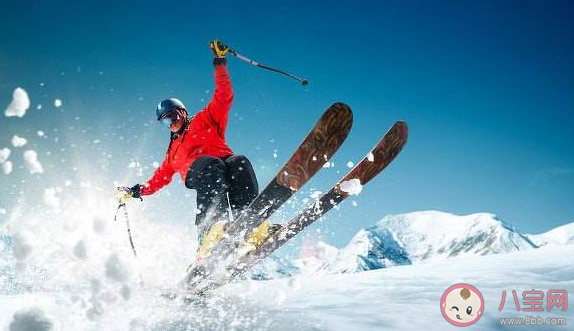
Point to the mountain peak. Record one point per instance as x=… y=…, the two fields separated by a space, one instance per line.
x=422 y=236
x=425 y=235
x=562 y=235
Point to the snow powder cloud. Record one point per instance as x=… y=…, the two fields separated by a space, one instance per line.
x=50 y=197
x=31 y=319
x=21 y=249
x=32 y=163
x=4 y=154
x=19 y=104
x=18 y=141
x=115 y=270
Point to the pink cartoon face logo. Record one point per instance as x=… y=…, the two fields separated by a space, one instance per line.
x=462 y=305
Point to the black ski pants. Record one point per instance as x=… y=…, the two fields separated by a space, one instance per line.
x=217 y=178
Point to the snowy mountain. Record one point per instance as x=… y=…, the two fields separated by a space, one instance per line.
x=421 y=236
x=562 y=235
x=411 y=239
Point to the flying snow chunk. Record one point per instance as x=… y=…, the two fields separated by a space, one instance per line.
x=352 y=186
x=329 y=165
x=350 y=164
x=4 y=154
x=371 y=157
x=315 y=194
x=57 y=103
x=30 y=319
x=80 y=250
x=7 y=167
x=50 y=198
x=155 y=164
x=137 y=166
x=18 y=141
x=19 y=104
x=115 y=270
x=40 y=133
x=32 y=163
x=2 y=211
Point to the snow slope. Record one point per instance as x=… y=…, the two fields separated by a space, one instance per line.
x=398 y=298
x=77 y=272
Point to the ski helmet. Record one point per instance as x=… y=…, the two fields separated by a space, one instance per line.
x=168 y=105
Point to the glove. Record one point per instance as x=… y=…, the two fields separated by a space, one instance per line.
x=219 y=51
x=136 y=191
x=123 y=194
x=218 y=48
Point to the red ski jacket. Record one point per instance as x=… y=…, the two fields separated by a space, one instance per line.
x=204 y=135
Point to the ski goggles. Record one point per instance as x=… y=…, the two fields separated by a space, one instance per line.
x=169 y=118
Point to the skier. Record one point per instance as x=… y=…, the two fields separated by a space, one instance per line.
x=199 y=153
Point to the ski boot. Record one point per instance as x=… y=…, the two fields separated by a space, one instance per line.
x=206 y=243
x=211 y=238
x=258 y=237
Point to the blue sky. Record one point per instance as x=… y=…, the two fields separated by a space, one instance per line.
x=486 y=87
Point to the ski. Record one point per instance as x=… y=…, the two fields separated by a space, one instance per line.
x=321 y=143
x=378 y=159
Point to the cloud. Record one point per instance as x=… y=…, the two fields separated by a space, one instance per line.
x=32 y=163
x=20 y=103
x=18 y=141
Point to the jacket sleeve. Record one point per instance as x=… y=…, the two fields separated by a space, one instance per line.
x=161 y=177
x=218 y=107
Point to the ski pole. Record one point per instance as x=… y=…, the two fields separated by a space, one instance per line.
x=122 y=197
x=248 y=60
x=127 y=226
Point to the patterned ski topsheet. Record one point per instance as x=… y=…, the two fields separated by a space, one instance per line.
x=377 y=160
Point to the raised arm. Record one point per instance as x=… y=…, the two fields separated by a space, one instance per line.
x=218 y=107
